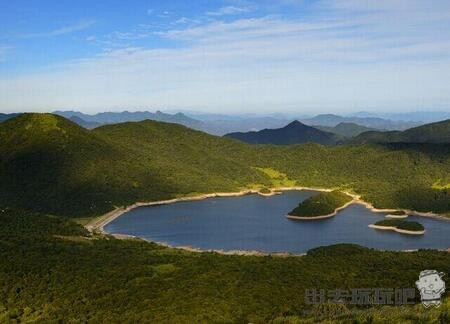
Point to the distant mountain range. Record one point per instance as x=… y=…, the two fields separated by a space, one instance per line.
x=219 y=124
x=294 y=133
x=421 y=117
x=438 y=132
x=346 y=129
x=332 y=120
x=210 y=123
x=126 y=116
x=4 y=117
x=297 y=133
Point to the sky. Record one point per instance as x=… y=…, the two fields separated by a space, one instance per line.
x=225 y=56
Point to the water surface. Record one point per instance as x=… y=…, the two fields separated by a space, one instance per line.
x=253 y=222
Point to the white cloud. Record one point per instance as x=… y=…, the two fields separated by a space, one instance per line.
x=229 y=10
x=79 y=26
x=342 y=57
x=185 y=20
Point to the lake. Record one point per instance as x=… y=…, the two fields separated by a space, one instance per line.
x=257 y=223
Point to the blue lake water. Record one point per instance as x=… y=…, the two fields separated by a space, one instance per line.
x=253 y=222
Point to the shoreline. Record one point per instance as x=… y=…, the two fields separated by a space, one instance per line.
x=218 y=251
x=395 y=229
x=396 y=216
x=97 y=224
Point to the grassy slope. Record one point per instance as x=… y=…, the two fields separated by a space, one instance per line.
x=321 y=204
x=52 y=271
x=49 y=164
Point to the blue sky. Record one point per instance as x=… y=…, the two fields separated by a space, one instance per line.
x=236 y=56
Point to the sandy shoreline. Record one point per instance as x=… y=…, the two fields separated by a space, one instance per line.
x=395 y=229
x=396 y=216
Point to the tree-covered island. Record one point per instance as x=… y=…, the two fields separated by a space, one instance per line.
x=400 y=226
x=323 y=205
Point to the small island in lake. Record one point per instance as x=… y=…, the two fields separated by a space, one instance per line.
x=323 y=205
x=398 y=214
x=400 y=226
x=264 y=191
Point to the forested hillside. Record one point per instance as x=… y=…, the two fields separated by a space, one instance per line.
x=49 y=164
x=438 y=132
x=52 y=271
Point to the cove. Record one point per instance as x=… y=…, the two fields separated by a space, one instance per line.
x=256 y=223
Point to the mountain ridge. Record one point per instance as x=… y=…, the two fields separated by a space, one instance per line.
x=332 y=120
x=293 y=133
x=346 y=129
x=437 y=132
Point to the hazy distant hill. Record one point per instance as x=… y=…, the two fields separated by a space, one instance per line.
x=421 y=117
x=86 y=120
x=242 y=124
x=215 y=124
x=372 y=122
x=346 y=129
x=293 y=133
x=4 y=117
x=83 y=123
x=429 y=133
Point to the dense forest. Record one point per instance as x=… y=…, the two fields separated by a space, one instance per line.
x=49 y=164
x=52 y=270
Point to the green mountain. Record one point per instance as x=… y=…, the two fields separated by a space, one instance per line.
x=438 y=132
x=346 y=129
x=49 y=164
x=293 y=133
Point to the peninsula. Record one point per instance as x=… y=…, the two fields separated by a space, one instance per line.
x=321 y=206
